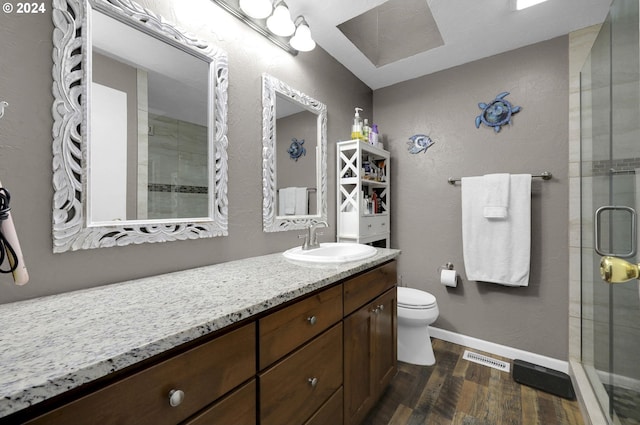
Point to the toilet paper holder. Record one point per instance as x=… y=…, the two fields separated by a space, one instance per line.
x=448 y=275
x=447 y=266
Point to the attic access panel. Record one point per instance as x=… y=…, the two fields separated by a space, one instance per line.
x=394 y=30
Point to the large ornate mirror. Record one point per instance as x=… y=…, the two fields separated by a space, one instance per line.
x=294 y=157
x=140 y=131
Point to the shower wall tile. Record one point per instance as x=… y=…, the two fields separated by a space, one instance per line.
x=179 y=173
x=193 y=205
x=143 y=146
x=580 y=43
x=163 y=149
x=193 y=169
x=575 y=337
x=192 y=138
x=574 y=286
x=574 y=208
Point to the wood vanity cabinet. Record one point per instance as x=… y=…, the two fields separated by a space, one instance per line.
x=239 y=408
x=347 y=352
x=370 y=346
x=301 y=361
x=322 y=359
x=284 y=330
x=203 y=374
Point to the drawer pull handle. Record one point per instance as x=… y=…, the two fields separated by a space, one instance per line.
x=176 y=397
x=313 y=382
x=378 y=309
x=312 y=320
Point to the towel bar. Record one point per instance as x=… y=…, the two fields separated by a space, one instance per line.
x=545 y=175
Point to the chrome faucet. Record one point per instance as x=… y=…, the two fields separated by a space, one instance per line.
x=311 y=238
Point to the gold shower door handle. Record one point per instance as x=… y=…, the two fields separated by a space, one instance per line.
x=633 y=231
x=617 y=270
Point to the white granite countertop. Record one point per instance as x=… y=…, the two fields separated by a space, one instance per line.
x=52 y=344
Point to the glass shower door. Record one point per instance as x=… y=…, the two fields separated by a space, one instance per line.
x=610 y=196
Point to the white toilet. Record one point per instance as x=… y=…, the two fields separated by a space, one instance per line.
x=416 y=310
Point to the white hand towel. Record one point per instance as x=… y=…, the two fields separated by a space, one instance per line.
x=496 y=195
x=287 y=201
x=497 y=251
x=302 y=203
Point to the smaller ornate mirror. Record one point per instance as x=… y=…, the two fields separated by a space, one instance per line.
x=294 y=158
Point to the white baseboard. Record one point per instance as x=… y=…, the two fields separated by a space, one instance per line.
x=500 y=350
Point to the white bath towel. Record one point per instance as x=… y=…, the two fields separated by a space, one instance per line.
x=496 y=198
x=302 y=201
x=497 y=251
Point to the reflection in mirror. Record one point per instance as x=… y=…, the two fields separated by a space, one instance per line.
x=296 y=130
x=294 y=161
x=148 y=127
x=140 y=129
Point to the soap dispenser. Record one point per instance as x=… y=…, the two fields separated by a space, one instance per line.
x=356 y=129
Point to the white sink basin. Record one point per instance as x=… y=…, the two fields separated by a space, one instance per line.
x=331 y=252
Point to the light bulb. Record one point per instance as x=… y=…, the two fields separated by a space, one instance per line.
x=302 y=40
x=280 y=22
x=258 y=9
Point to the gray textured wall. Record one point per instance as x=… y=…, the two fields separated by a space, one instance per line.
x=426 y=212
x=25 y=148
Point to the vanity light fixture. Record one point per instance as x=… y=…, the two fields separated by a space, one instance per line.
x=302 y=40
x=257 y=9
x=280 y=22
x=523 y=4
x=277 y=27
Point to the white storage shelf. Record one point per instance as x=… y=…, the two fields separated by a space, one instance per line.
x=363 y=170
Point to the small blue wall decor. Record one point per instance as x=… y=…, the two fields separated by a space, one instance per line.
x=496 y=113
x=419 y=143
x=296 y=150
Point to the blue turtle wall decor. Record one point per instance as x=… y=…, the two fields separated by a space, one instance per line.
x=419 y=143
x=496 y=113
x=296 y=150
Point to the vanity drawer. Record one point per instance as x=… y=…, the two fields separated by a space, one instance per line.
x=374 y=225
x=238 y=408
x=331 y=412
x=365 y=287
x=204 y=374
x=293 y=389
x=283 y=331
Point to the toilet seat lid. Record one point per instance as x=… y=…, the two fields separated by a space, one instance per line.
x=415 y=298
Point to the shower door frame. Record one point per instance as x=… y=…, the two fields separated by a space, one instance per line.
x=600 y=355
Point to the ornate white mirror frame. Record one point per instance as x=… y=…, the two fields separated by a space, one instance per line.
x=72 y=229
x=272 y=222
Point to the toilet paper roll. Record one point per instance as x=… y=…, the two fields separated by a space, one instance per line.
x=449 y=278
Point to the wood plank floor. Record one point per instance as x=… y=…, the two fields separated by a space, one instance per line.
x=457 y=392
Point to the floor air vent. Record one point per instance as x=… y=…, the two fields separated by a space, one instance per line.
x=487 y=361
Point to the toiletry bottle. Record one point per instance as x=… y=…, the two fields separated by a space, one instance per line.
x=365 y=131
x=374 y=203
x=373 y=135
x=356 y=129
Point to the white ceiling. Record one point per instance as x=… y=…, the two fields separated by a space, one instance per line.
x=471 y=29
